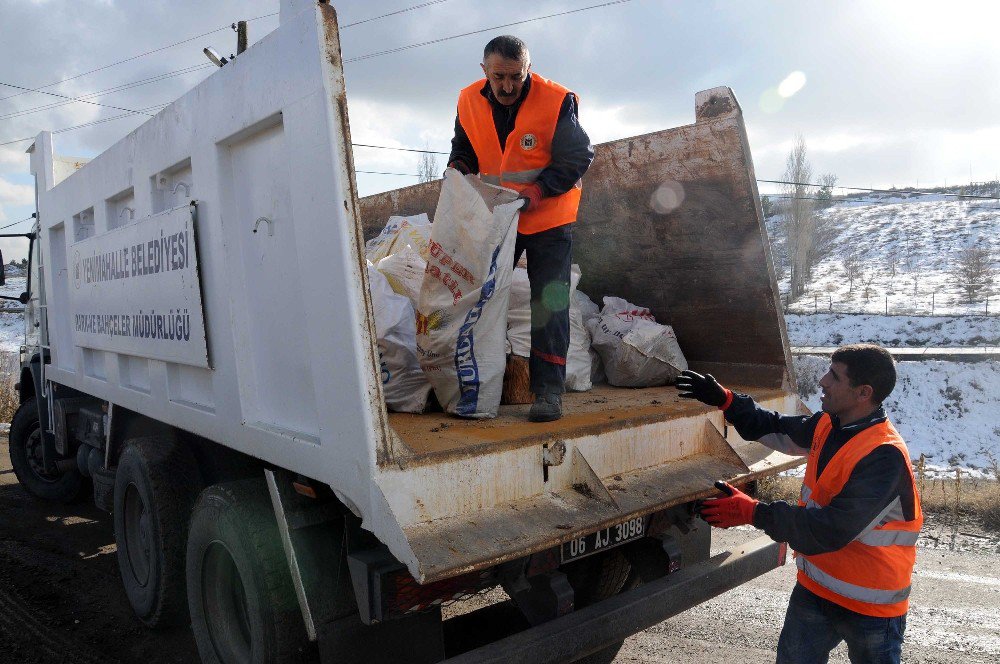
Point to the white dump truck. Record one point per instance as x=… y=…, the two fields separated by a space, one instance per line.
x=201 y=359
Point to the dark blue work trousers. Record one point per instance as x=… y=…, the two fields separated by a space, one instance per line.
x=550 y=254
x=814 y=626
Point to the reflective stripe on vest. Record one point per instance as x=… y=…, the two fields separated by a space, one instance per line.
x=849 y=590
x=522 y=177
x=805 y=499
x=871 y=574
x=527 y=152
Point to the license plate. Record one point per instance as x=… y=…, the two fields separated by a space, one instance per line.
x=602 y=540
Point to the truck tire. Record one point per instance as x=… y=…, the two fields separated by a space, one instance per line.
x=594 y=579
x=240 y=595
x=156 y=485
x=26 y=460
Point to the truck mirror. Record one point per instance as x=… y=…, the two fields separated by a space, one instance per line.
x=3 y=270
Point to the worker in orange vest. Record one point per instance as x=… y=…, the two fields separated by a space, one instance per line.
x=858 y=516
x=521 y=131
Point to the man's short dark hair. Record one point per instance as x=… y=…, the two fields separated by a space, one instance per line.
x=868 y=364
x=506 y=46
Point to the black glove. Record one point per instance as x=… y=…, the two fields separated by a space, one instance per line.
x=703 y=388
x=460 y=166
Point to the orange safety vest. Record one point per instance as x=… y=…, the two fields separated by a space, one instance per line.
x=871 y=575
x=528 y=151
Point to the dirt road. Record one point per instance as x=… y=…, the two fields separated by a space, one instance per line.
x=954 y=612
x=61 y=599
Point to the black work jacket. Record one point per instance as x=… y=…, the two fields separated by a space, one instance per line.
x=572 y=152
x=876 y=481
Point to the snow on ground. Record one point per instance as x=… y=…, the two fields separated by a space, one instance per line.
x=895 y=331
x=944 y=410
x=908 y=250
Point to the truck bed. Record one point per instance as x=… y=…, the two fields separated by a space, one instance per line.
x=516 y=487
x=605 y=408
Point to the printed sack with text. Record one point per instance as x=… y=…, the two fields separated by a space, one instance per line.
x=462 y=310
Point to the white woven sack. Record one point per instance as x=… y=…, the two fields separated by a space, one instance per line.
x=519 y=314
x=399 y=232
x=578 y=363
x=636 y=350
x=591 y=314
x=405 y=272
x=462 y=310
x=404 y=385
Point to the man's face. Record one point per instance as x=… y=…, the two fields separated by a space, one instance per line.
x=506 y=77
x=838 y=397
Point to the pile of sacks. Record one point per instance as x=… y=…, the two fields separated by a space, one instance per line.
x=449 y=307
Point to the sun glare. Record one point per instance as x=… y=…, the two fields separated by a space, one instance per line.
x=792 y=84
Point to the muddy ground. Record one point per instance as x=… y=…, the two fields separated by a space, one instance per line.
x=61 y=599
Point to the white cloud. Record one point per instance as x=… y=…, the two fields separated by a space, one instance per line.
x=14 y=157
x=16 y=194
x=608 y=123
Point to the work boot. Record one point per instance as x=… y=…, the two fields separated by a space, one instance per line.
x=547 y=407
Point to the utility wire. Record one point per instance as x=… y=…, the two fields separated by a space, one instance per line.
x=87 y=124
x=72 y=99
x=135 y=57
x=476 y=32
x=398 y=11
x=205 y=34
x=17 y=222
x=410 y=175
x=389 y=147
x=111 y=90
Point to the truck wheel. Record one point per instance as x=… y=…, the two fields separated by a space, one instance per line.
x=26 y=460
x=156 y=485
x=240 y=595
x=594 y=579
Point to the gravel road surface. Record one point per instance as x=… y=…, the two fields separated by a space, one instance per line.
x=61 y=599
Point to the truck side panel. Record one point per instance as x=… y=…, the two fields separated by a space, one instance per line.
x=261 y=145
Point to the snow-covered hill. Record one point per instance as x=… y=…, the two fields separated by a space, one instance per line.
x=946 y=411
x=893 y=331
x=908 y=249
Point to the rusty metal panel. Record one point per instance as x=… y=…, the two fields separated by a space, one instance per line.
x=672 y=221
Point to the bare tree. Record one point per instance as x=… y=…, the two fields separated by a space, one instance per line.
x=852 y=268
x=825 y=195
x=800 y=221
x=427 y=168
x=973 y=271
x=867 y=278
x=892 y=260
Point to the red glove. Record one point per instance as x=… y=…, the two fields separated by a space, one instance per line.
x=531 y=195
x=736 y=509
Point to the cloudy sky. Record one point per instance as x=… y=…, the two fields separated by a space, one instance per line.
x=885 y=93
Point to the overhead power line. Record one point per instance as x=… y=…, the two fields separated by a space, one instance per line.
x=87 y=124
x=72 y=99
x=134 y=57
x=389 y=147
x=398 y=11
x=108 y=91
x=15 y=223
x=409 y=175
x=476 y=32
x=205 y=34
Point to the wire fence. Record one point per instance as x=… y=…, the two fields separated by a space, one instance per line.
x=937 y=303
